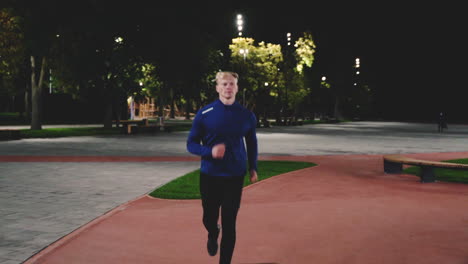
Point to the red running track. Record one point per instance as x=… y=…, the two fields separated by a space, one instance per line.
x=345 y=210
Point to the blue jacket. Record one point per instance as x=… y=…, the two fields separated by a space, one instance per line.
x=229 y=124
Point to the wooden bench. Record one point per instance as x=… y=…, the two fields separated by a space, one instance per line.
x=129 y=125
x=394 y=164
x=156 y=128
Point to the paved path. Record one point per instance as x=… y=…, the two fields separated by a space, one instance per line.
x=44 y=200
x=346 y=210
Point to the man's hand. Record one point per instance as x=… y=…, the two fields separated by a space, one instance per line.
x=218 y=151
x=253 y=176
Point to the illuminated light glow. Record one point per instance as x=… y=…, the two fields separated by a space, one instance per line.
x=289 y=43
x=240 y=33
x=239 y=28
x=324 y=78
x=355 y=84
x=288 y=34
x=141 y=84
x=118 y=40
x=266 y=84
x=240 y=22
x=58 y=36
x=239 y=16
x=357 y=72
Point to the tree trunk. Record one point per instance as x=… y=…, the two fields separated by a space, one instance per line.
x=187 y=109
x=36 y=88
x=108 y=114
x=108 y=109
x=172 y=114
x=27 y=105
x=337 y=112
x=161 y=106
x=12 y=106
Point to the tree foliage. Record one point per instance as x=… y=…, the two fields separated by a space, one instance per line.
x=305 y=49
x=12 y=53
x=258 y=66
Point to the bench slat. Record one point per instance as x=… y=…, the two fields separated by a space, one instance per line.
x=418 y=162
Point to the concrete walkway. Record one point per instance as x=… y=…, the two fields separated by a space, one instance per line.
x=50 y=187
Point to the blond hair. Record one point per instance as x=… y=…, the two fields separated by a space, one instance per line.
x=220 y=75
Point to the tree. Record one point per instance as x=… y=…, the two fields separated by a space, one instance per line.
x=12 y=54
x=258 y=67
x=95 y=58
x=37 y=26
x=304 y=53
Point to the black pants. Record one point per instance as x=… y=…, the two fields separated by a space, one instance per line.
x=225 y=193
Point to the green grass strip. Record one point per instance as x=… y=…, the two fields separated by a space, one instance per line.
x=187 y=186
x=445 y=175
x=68 y=132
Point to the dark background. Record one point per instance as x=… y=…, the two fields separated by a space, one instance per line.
x=412 y=55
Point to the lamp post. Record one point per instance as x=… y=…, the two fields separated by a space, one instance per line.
x=288 y=59
x=357 y=84
x=240 y=24
x=244 y=53
x=357 y=65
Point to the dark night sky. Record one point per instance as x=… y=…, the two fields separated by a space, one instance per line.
x=413 y=55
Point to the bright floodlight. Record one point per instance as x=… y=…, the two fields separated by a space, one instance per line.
x=288 y=34
x=118 y=40
x=357 y=72
x=240 y=24
x=324 y=78
x=266 y=84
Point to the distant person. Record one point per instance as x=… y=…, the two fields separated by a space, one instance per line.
x=217 y=135
x=441 y=123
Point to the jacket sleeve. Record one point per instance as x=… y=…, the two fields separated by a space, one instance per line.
x=194 y=139
x=251 y=142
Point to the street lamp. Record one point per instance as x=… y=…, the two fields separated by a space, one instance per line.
x=357 y=63
x=244 y=53
x=240 y=24
x=118 y=40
